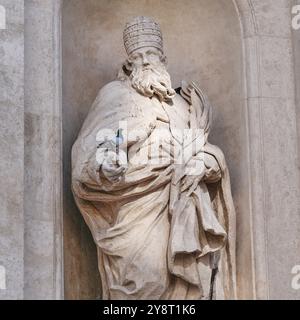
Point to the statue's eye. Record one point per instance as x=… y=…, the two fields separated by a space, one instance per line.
x=152 y=55
x=136 y=58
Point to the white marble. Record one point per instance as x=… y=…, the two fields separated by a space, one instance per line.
x=161 y=230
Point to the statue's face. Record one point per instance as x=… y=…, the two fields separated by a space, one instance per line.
x=148 y=73
x=145 y=57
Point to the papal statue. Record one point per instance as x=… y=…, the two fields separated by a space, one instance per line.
x=153 y=191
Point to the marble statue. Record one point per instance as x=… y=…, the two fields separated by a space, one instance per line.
x=153 y=191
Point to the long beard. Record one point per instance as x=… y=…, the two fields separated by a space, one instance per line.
x=152 y=80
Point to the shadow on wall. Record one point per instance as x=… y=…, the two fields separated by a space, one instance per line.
x=202 y=40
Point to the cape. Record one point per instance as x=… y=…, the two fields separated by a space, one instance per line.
x=135 y=223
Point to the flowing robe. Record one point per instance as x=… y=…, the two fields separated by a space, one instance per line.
x=152 y=244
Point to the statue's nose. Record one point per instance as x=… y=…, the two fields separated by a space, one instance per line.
x=145 y=61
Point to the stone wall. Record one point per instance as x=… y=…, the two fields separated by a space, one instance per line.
x=30 y=157
x=43 y=263
x=245 y=56
x=273 y=147
x=12 y=149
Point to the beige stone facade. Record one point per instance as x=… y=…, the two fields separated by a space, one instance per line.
x=55 y=55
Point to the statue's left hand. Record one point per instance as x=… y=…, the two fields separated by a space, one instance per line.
x=198 y=169
x=212 y=171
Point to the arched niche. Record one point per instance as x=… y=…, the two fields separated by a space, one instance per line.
x=203 y=42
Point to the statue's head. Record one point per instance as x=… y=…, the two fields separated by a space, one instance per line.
x=146 y=63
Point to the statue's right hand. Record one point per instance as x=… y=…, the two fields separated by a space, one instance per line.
x=112 y=172
x=111 y=166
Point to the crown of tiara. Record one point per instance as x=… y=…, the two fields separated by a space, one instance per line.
x=142 y=32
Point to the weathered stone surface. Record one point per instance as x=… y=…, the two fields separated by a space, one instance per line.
x=273 y=154
x=201 y=54
x=43 y=199
x=159 y=221
x=252 y=77
x=12 y=149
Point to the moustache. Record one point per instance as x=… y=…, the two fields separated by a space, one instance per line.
x=150 y=80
